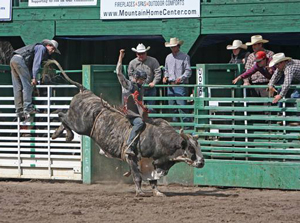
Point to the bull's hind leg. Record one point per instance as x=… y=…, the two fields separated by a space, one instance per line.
x=136 y=176
x=62 y=127
x=58 y=131
x=156 y=192
x=70 y=134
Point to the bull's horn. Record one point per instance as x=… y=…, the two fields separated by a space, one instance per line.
x=183 y=135
x=182 y=159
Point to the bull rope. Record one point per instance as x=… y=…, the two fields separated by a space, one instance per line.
x=107 y=106
x=94 y=124
x=123 y=154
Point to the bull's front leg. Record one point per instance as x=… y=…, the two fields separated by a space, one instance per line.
x=136 y=176
x=156 y=192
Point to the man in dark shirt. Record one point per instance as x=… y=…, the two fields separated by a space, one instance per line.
x=134 y=108
x=25 y=65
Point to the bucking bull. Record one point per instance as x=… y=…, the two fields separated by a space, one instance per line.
x=159 y=147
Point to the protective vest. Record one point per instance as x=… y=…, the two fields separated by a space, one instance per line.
x=133 y=104
x=27 y=52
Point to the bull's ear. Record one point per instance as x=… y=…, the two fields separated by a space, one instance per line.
x=196 y=137
x=181 y=131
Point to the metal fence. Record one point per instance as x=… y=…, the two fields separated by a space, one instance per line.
x=246 y=141
x=26 y=148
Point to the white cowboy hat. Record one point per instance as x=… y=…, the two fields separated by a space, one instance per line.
x=52 y=43
x=256 y=39
x=140 y=48
x=173 y=42
x=278 y=57
x=236 y=44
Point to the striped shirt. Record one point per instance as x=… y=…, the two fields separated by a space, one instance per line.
x=178 y=66
x=291 y=73
x=256 y=78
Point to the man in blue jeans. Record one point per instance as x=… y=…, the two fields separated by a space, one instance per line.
x=134 y=109
x=25 y=65
x=177 y=71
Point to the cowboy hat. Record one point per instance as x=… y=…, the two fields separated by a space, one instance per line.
x=52 y=43
x=256 y=39
x=236 y=44
x=278 y=57
x=173 y=42
x=140 y=48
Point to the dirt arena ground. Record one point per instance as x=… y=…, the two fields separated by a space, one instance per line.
x=39 y=201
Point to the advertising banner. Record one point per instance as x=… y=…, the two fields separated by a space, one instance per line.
x=150 y=9
x=45 y=3
x=5 y=10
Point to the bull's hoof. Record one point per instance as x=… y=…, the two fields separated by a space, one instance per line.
x=69 y=139
x=140 y=194
x=58 y=132
x=158 y=194
x=54 y=135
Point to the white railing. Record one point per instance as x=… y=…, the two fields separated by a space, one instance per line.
x=26 y=148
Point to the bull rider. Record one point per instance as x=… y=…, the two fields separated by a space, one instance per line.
x=134 y=109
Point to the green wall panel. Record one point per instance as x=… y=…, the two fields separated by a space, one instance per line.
x=249 y=174
x=98 y=27
x=186 y=29
x=55 y=13
x=30 y=31
x=252 y=24
x=250 y=9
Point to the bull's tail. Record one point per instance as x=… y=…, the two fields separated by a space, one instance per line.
x=49 y=62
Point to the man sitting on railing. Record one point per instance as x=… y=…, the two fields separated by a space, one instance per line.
x=177 y=71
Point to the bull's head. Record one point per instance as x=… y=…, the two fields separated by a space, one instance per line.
x=192 y=154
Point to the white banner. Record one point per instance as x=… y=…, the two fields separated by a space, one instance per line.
x=5 y=10
x=150 y=9
x=36 y=3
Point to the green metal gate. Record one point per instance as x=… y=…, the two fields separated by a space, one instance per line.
x=247 y=142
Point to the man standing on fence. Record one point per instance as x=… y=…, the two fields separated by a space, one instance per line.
x=177 y=71
x=25 y=65
x=150 y=66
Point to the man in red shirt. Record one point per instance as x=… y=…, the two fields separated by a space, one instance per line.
x=261 y=65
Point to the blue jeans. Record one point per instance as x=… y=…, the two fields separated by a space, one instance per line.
x=295 y=94
x=137 y=126
x=21 y=80
x=178 y=92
